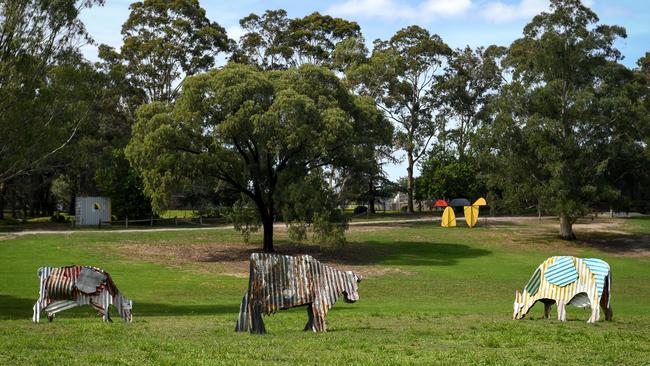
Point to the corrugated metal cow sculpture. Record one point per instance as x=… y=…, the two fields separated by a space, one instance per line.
x=581 y=282
x=68 y=287
x=280 y=282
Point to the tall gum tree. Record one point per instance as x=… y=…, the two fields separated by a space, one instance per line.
x=462 y=93
x=548 y=122
x=36 y=36
x=399 y=76
x=165 y=41
x=259 y=132
x=272 y=41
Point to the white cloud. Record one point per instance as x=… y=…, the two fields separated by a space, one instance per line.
x=396 y=9
x=500 y=12
x=446 y=7
x=235 y=32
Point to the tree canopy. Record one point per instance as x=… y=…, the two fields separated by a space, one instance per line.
x=265 y=134
x=165 y=41
x=399 y=76
x=552 y=134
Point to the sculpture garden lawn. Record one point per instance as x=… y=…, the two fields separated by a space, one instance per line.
x=429 y=296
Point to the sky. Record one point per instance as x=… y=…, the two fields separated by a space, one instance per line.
x=458 y=22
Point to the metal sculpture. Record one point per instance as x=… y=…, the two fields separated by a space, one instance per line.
x=471 y=212
x=64 y=288
x=581 y=282
x=448 y=218
x=279 y=282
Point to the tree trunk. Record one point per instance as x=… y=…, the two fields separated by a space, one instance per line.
x=267 y=223
x=409 y=182
x=371 y=201
x=566 y=227
x=371 y=206
x=2 y=204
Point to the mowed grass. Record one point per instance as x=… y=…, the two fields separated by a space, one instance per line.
x=446 y=300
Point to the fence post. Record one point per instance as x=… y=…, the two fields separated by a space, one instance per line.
x=201 y=219
x=126 y=222
x=151 y=220
x=176 y=220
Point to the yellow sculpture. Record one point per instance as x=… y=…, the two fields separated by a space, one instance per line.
x=471 y=215
x=471 y=212
x=448 y=218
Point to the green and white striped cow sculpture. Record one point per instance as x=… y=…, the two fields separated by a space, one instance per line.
x=564 y=280
x=64 y=288
x=280 y=282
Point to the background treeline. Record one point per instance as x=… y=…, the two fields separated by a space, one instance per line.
x=553 y=123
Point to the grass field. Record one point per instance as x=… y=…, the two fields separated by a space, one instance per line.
x=429 y=296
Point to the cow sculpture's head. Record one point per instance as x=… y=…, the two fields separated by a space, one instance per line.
x=518 y=307
x=351 y=292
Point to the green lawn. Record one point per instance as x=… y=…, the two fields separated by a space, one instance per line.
x=430 y=296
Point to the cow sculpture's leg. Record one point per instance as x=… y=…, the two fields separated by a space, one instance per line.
x=310 y=318
x=547 y=309
x=561 y=311
x=244 y=321
x=257 y=324
x=595 y=311
x=604 y=301
x=103 y=311
x=319 y=312
x=36 y=318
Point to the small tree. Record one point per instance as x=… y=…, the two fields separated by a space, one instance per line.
x=263 y=133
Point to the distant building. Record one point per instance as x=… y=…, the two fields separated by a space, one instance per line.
x=92 y=210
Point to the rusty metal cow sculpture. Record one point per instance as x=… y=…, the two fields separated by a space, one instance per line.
x=279 y=282
x=68 y=287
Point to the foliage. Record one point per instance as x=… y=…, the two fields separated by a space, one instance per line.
x=360 y=210
x=550 y=136
x=273 y=41
x=39 y=41
x=165 y=41
x=443 y=175
x=122 y=184
x=258 y=132
x=462 y=93
x=398 y=77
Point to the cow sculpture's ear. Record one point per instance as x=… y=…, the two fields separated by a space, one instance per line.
x=359 y=277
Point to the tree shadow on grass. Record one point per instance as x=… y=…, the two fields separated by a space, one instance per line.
x=366 y=253
x=21 y=308
x=426 y=254
x=616 y=243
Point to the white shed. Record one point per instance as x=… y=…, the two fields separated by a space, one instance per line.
x=92 y=210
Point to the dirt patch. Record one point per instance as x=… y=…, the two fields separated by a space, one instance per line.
x=7 y=237
x=232 y=259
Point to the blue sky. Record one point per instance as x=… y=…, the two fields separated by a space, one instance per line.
x=458 y=22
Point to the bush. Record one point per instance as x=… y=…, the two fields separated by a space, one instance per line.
x=403 y=208
x=58 y=218
x=360 y=210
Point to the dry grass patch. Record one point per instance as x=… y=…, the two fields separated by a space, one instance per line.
x=232 y=258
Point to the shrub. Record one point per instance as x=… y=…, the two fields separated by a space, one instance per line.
x=58 y=218
x=360 y=210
